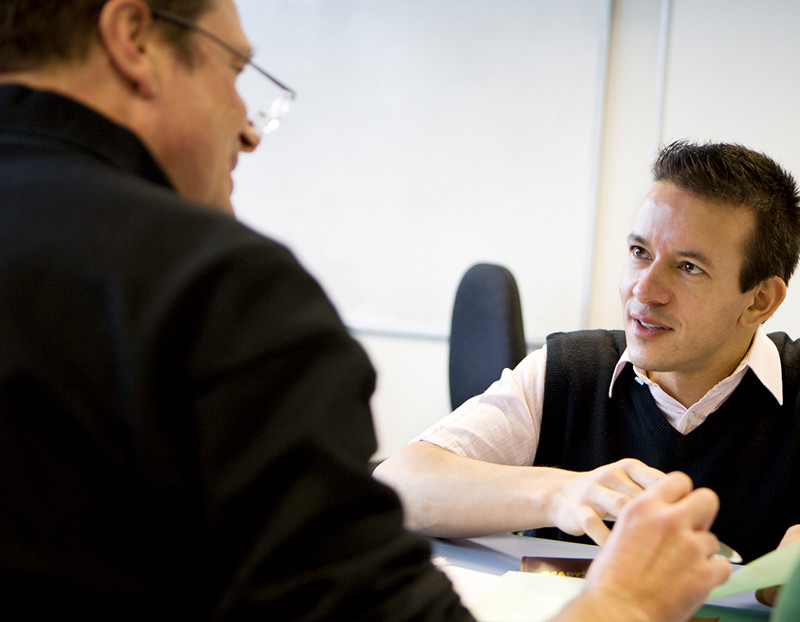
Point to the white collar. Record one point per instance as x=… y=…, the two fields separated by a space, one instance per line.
x=762 y=357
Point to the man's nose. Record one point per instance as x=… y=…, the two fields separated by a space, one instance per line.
x=652 y=285
x=249 y=138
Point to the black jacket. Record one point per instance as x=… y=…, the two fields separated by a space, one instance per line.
x=184 y=420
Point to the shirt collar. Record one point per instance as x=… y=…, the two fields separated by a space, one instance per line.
x=762 y=357
x=51 y=116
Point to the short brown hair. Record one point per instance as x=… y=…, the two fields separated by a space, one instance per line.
x=738 y=176
x=35 y=33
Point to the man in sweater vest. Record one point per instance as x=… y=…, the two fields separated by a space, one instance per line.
x=694 y=384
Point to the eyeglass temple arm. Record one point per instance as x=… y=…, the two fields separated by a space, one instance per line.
x=185 y=23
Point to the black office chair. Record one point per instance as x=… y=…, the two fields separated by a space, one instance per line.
x=486 y=333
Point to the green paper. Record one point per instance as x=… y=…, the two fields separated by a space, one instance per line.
x=728 y=614
x=774 y=568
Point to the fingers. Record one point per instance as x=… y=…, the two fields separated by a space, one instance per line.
x=584 y=500
x=672 y=487
x=707 y=543
x=645 y=476
x=768 y=595
x=720 y=571
x=618 y=483
x=628 y=476
x=661 y=538
x=792 y=535
x=697 y=507
x=703 y=505
x=594 y=527
x=691 y=509
x=607 y=502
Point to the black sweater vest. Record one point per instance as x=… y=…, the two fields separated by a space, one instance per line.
x=748 y=450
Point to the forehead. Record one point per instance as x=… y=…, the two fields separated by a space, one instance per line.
x=682 y=221
x=222 y=19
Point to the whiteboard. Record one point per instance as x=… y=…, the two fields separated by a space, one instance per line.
x=428 y=136
x=746 y=93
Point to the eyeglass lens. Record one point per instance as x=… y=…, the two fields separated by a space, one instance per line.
x=266 y=103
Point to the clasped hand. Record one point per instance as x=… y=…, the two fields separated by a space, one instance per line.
x=581 y=501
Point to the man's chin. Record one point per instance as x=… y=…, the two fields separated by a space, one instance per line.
x=223 y=205
x=645 y=357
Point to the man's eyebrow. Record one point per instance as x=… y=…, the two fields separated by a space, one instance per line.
x=699 y=257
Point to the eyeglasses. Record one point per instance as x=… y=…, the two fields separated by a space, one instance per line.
x=264 y=121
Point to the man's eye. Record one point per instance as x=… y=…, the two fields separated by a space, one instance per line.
x=638 y=251
x=691 y=268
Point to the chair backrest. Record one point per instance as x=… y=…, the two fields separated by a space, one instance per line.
x=787 y=606
x=486 y=333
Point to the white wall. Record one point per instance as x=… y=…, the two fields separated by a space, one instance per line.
x=431 y=135
x=427 y=136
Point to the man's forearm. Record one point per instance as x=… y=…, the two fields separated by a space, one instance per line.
x=447 y=495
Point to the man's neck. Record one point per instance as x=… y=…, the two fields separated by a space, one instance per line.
x=89 y=82
x=689 y=387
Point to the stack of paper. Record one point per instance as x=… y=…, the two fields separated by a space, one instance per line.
x=532 y=597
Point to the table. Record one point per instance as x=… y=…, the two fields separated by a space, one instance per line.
x=475 y=566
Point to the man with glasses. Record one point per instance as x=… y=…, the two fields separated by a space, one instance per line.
x=184 y=420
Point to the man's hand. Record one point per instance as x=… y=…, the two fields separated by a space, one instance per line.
x=659 y=562
x=768 y=595
x=583 y=500
x=792 y=535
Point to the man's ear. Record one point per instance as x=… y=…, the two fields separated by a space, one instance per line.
x=767 y=297
x=126 y=33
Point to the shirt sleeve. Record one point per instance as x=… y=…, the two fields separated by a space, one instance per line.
x=501 y=425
